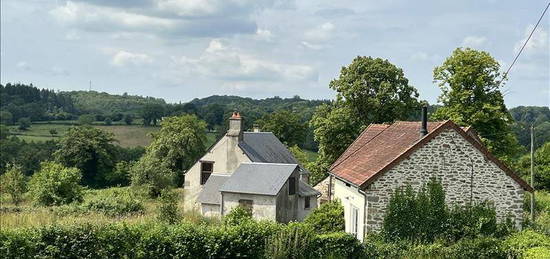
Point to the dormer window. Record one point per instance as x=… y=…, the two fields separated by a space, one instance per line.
x=206 y=171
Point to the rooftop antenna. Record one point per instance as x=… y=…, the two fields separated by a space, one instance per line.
x=90 y=87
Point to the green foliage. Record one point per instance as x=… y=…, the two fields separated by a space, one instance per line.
x=151 y=113
x=108 y=121
x=237 y=216
x=423 y=216
x=471 y=96
x=541 y=167
x=28 y=155
x=176 y=146
x=537 y=253
x=299 y=154
x=115 y=202
x=121 y=174
x=327 y=218
x=291 y=242
x=86 y=119
x=286 y=125
x=90 y=150
x=519 y=243
x=23 y=123
x=524 y=117
x=6 y=117
x=4 y=132
x=168 y=209
x=13 y=183
x=53 y=132
x=55 y=184
x=128 y=119
x=318 y=171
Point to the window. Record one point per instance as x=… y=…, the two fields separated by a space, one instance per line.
x=354 y=220
x=206 y=171
x=306 y=203
x=291 y=185
x=246 y=204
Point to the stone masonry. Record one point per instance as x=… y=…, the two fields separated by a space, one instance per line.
x=464 y=171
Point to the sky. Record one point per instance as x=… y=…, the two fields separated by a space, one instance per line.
x=184 y=49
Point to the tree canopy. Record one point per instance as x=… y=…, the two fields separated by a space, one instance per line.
x=286 y=125
x=470 y=84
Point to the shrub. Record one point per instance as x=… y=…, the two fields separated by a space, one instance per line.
x=153 y=174
x=483 y=247
x=517 y=244
x=115 y=202
x=168 y=208
x=24 y=123
x=237 y=215
x=55 y=184
x=13 y=183
x=336 y=245
x=120 y=176
x=293 y=241
x=537 y=253
x=329 y=217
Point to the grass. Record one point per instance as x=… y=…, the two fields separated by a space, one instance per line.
x=126 y=135
x=28 y=215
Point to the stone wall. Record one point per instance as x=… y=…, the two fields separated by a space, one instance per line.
x=463 y=170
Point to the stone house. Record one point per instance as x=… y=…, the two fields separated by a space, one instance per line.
x=388 y=156
x=251 y=169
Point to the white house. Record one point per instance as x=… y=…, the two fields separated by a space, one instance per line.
x=251 y=169
x=388 y=156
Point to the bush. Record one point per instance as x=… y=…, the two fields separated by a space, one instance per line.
x=237 y=216
x=120 y=176
x=293 y=241
x=115 y=202
x=168 y=208
x=537 y=253
x=24 y=123
x=517 y=244
x=336 y=245
x=55 y=184
x=483 y=247
x=329 y=217
x=13 y=183
x=153 y=174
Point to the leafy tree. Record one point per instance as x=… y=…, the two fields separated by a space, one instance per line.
x=6 y=117
x=4 y=131
x=90 y=150
x=541 y=167
x=27 y=155
x=375 y=91
x=328 y=218
x=175 y=147
x=86 y=119
x=286 y=125
x=24 y=123
x=299 y=154
x=527 y=116
x=471 y=96
x=168 y=207
x=13 y=183
x=55 y=184
x=128 y=119
x=151 y=113
x=120 y=175
x=53 y=132
x=237 y=215
x=108 y=121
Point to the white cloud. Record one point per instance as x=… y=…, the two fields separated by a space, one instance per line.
x=124 y=58
x=222 y=62
x=23 y=65
x=474 y=41
x=538 y=44
x=322 y=32
x=312 y=46
x=264 y=34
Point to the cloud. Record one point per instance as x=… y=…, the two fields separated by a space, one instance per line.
x=59 y=71
x=322 y=32
x=222 y=62
x=124 y=58
x=334 y=12
x=538 y=44
x=474 y=41
x=264 y=34
x=163 y=18
x=23 y=65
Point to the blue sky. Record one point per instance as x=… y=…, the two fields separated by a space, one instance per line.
x=179 y=50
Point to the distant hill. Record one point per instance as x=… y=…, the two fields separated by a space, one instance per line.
x=524 y=117
x=104 y=103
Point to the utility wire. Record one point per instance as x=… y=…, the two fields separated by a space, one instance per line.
x=525 y=43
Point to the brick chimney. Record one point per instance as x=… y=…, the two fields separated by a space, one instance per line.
x=236 y=126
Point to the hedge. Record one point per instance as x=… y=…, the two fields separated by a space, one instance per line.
x=160 y=241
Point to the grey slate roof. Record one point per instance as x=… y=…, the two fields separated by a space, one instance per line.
x=305 y=190
x=266 y=148
x=258 y=178
x=210 y=193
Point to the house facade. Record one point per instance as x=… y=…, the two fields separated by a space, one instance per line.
x=240 y=168
x=389 y=156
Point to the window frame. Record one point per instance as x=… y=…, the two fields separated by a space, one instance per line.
x=292 y=185
x=204 y=173
x=307 y=203
x=247 y=204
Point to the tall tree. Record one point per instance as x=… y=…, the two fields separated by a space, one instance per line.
x=369 y=90
x=176 y=146
x=471 y=96
x=89 y=149
x=286 y=125
x=151 y=113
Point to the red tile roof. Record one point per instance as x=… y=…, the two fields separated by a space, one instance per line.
x=381 y=146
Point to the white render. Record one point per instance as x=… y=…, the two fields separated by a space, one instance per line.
x=448 y=157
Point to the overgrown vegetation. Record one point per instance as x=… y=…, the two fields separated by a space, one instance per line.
x=328 y=218
x=55 y=184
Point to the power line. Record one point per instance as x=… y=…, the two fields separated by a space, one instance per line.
x=525 y=43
